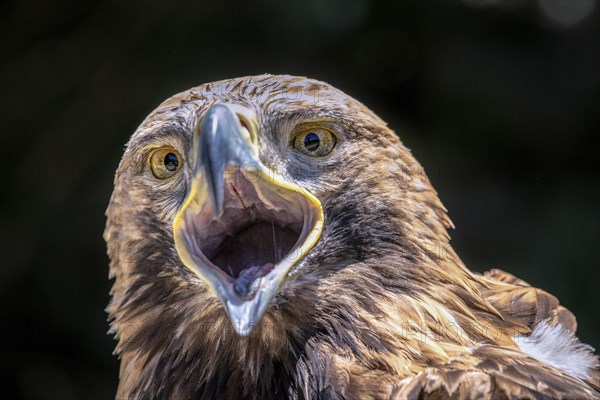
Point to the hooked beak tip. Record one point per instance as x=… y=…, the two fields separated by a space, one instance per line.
x=219 y=144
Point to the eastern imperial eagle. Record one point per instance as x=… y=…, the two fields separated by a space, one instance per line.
x=270 y=237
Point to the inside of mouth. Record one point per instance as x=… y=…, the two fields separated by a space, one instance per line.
x=259 y=243
x=261 y=224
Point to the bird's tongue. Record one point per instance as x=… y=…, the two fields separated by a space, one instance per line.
x=248 y=277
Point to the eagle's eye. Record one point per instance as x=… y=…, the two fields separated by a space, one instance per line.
x=164 y=162
x=315 y=142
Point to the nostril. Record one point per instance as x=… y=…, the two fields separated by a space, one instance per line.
x=246 y=124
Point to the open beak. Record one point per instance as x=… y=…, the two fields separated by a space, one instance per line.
x=242 y=226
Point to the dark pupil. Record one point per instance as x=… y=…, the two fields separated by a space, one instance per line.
x=171 y=162
x=311 y=141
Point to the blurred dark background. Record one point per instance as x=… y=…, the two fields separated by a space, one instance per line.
x=498 y=99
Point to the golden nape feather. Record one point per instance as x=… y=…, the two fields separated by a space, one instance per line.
x=271 y=237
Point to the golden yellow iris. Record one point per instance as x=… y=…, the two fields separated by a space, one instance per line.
x=165 y=162
x=314 y=141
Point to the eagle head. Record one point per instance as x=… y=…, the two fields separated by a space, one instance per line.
x=270 y=235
